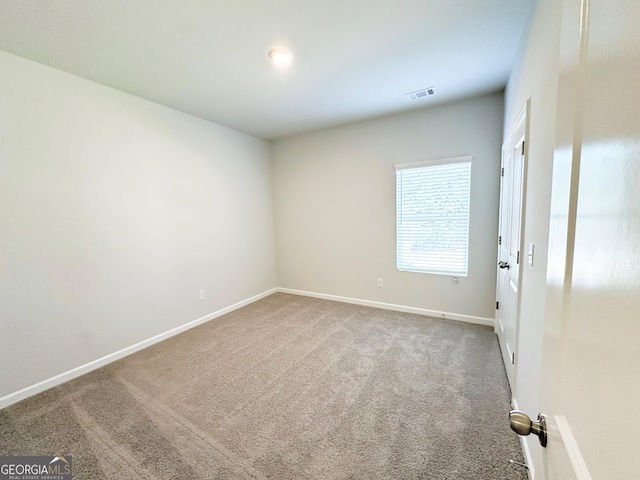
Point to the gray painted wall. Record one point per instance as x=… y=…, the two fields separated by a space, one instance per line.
x=114 y=213
x=535 y=78
x=334 y=206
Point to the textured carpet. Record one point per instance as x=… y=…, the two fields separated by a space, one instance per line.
x=288 y=387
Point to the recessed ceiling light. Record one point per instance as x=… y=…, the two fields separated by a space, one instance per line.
x=281 y=57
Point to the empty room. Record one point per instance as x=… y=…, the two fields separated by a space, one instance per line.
x=288 y=239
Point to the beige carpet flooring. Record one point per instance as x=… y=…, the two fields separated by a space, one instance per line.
x=288 y=387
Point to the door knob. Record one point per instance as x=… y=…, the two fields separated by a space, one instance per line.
x=503 y=265
x=523 y=425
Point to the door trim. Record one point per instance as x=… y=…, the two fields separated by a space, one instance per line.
x=519 y=130
x=571 y=446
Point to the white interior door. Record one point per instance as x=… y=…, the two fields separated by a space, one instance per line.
x=591 y=355
x=508 y=276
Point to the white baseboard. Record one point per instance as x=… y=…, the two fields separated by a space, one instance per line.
x=15 y=397
x=398 y=308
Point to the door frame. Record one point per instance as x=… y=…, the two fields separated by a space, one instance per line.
x=519 y=130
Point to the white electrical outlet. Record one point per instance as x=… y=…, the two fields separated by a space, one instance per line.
x=201 y=294
x=379 y=283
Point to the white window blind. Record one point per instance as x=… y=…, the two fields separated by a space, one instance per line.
x=432 y=216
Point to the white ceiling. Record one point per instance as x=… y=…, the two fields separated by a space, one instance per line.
x=353 y=59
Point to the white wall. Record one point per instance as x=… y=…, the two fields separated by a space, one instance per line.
x=114 y=213
x=535 y=77
x=334 y=201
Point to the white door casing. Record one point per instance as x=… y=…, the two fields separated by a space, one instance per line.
x=509 y=238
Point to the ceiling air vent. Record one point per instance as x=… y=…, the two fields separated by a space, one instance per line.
x=424 y=93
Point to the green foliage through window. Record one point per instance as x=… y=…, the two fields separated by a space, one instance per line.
x=432 y=216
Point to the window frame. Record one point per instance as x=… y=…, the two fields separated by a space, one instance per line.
x=433 y=269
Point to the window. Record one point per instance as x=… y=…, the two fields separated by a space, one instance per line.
x=432 y=216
